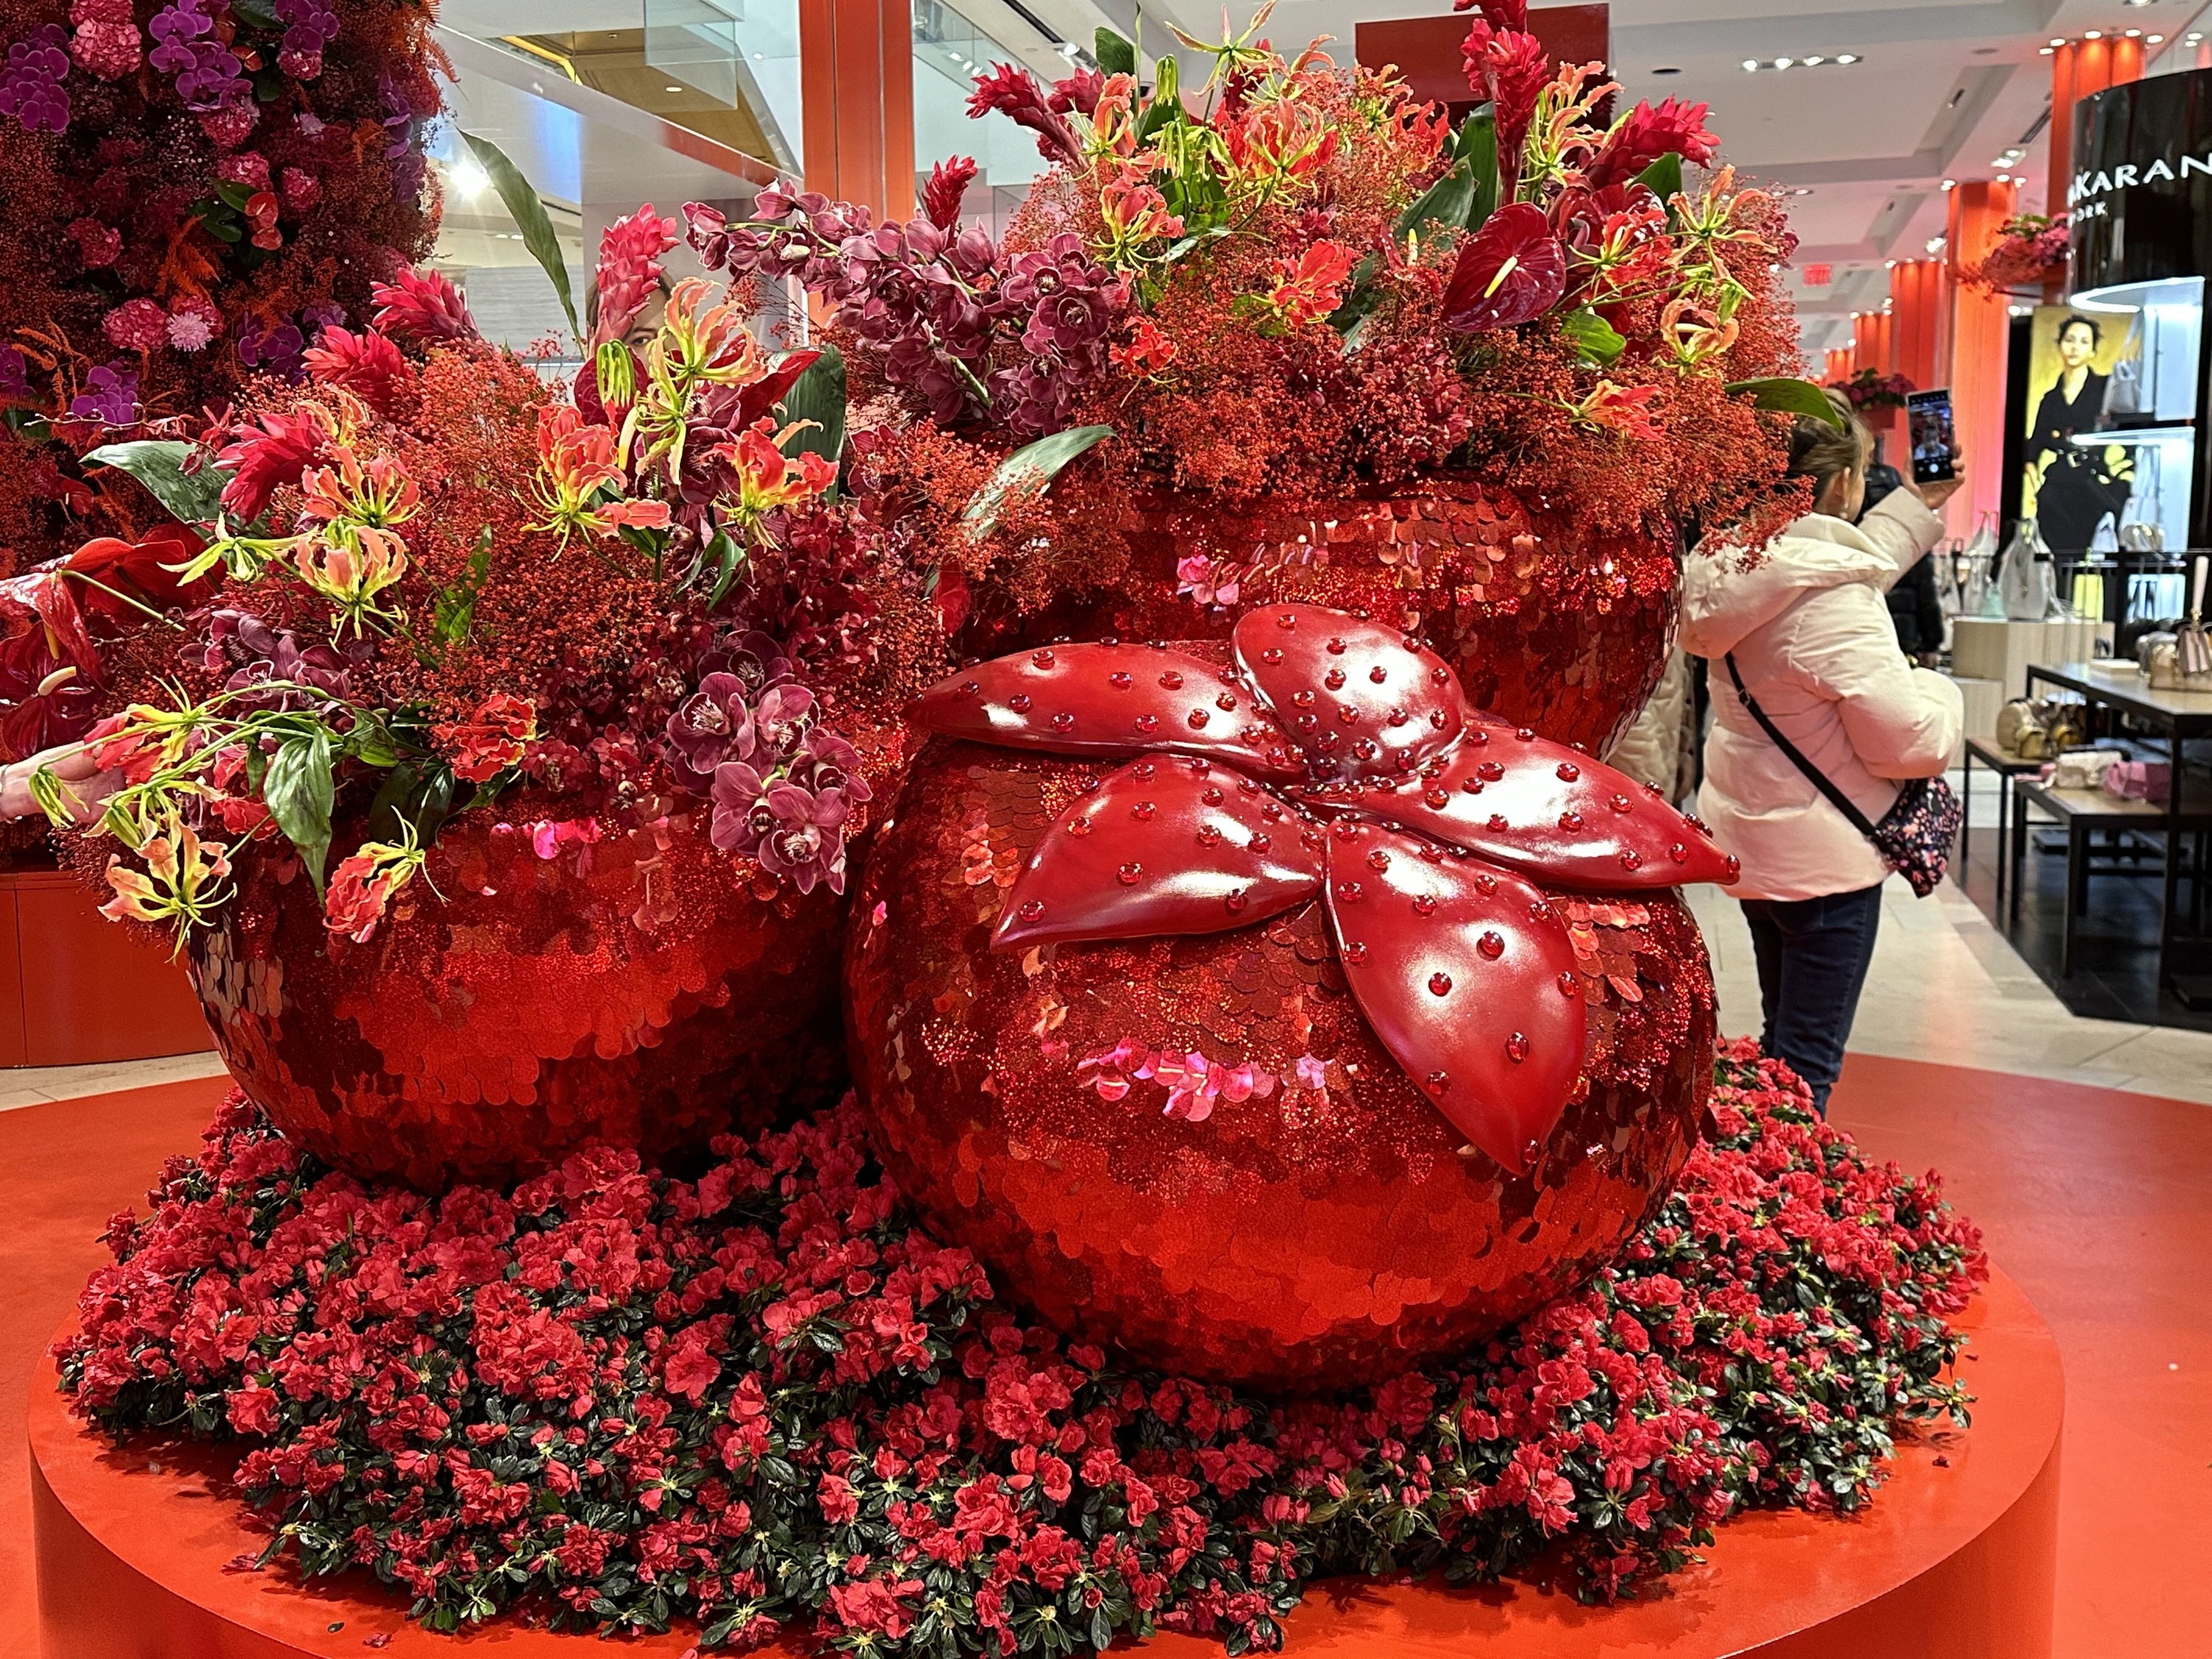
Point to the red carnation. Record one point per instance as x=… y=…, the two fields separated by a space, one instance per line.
x=948 y=182
x=136 y=325
x=1511 y=271
x=367 y=364
x=423 y=306
x=1013 y=92
x=265 y=458
x=491 y=739
x=1646 y=134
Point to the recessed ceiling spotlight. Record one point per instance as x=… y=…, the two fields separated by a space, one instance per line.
x=1750 y=64
x=1668 y=69
x=671 y=88
x=1950 y=183
x=1847 y=57
x=2092 y=34
x=2154 y=39
x=1889 y=265
x=1816 y=61
x=2046 y=52
x=2132 y=35
x=1783 y=63
x=1936 y=244
x=2058 y=40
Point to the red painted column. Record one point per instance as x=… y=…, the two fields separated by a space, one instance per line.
x=856 y=82
x=1980 y=325
x=1915 y=300
x=2062 y=127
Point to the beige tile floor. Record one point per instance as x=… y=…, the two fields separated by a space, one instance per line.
x=1944 y=986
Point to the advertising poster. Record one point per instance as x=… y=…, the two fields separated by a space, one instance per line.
x=2084 y=370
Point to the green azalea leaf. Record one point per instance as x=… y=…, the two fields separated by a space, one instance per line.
x=1790 y=397
x=1028 y=470
x=530 y=217
x=192 y=498
x=1114 y=55
x=299 y=791
x=1596 y=339
x=818 y=395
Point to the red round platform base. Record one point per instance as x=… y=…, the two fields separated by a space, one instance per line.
x=136 y=1549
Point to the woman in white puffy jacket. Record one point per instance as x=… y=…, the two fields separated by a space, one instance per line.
x=1808 y=628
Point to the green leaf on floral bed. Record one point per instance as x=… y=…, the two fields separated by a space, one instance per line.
x=1467 y=194
x=1664 y=179
x=1027 y=471
x=299 y=791
x=1597 y=341
x=453 y=608
x=1114 y=55
x=261 y=14
x=530 y=217
x=818 y=395
x=1790 y=397
x=192 y=497
x=1477 y=148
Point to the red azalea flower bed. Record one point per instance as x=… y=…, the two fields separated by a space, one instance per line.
x=613 y=1399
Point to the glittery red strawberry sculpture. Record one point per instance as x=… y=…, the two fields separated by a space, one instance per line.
x=1266 y=1011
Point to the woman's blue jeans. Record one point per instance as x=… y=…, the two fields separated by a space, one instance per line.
x=1813 y=956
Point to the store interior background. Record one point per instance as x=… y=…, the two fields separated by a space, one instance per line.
x=2079 y=1143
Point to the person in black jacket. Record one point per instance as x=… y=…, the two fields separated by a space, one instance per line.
x=1915 y=608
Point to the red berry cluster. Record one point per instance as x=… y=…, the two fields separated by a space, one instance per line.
x=762 y=1399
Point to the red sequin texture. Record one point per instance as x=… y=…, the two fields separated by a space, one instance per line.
x=1328 y=1223
x=1548 y=625
x=636 y=990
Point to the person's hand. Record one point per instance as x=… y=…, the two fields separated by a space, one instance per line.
x=85 y=790
x=1934 y=495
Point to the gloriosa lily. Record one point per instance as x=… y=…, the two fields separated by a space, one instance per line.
x=1337 y=760
x=767 y=478
x=185 y=881
x=351 y=566
x=699 y=345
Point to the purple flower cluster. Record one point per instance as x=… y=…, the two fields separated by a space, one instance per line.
x=14 y=376
x=255 y=654
x=277 y=349
x=955 y=326
x=110 y=395
x=782 y=785
x=207 y=71
x=309 y=25
x=31 y=87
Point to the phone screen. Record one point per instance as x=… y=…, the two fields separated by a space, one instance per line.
x=1928 y=417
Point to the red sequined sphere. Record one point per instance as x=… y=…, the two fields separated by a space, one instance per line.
x=635 y=990
x=1299 y=1216
x=1545 y=623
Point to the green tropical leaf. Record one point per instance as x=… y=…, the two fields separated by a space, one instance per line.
x=299 y=791
x=818 y=395
x=453 y=608
x=1790 y=397
x=1477 y=148
x=1596 y=340
x=1114 y=55
x=1028 y=470
x=159 y=464
x=1664 y=179
x=530 y=217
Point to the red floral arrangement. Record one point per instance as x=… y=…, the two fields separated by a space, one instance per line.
x=1433 y=811
x=1871 y=389
x=424 y=581
x=615 y=1400
x=194 y=188
x=2031 y=252
x=1295 y=283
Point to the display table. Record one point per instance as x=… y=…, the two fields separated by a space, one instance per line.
x=1956 y=1558
x=76 y=990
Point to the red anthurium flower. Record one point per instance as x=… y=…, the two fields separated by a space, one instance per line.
x=1336 y=757
x=118 y=577
x=1511 y=271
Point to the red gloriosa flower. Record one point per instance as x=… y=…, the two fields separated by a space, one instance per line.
x=1337 y=758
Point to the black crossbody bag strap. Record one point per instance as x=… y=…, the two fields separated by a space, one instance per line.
x=1842 y=802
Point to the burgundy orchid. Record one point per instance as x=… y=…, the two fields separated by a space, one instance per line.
x=1336 y=757
x=1511 y=272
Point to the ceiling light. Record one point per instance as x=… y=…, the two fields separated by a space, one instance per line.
x=2154 y=39
x=2132 y=35
x=1783 y=63
x=468 y=178
x=671 y=88
x=1814 y=62
x=1750 y=63
x=2092 y=34
x=1936 y=244
x=1950 y=183
x=1889 y=265
x=1847 y=57
x=2045 y=51
x=2058 y=40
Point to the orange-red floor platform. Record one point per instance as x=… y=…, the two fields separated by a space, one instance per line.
x=2100 y=1203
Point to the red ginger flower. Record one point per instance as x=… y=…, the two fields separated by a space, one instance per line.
x=1509 y=68
x=629 y=270
x=1646 y=134
x=1339 y=758
x=366 y=364
x=264 y=459
x=948 y=182
x=1013 y=92
x=422 y=307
